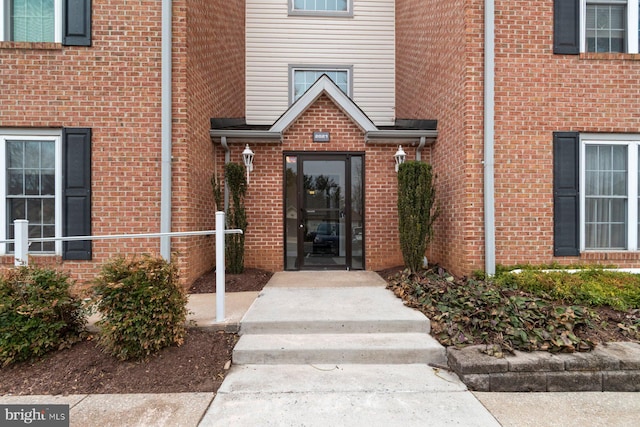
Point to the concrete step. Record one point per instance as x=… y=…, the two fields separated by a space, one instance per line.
x=392 y=348
x=331 y=310
x=344 y=395
x=336 y=326
x=343 y=378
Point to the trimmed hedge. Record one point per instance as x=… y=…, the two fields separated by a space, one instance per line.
x=37 y=313
x=142 y=304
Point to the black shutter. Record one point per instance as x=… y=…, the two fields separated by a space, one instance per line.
x=566 y=200
x=566 y=27
x=76 y=22
x=76 y=199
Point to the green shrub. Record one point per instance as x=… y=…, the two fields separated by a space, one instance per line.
x=236 y=216
x=37 y=313
x=416 y=211
x=590 y=286
x=143 y=306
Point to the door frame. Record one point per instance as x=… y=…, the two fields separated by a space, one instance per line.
x=302 y=156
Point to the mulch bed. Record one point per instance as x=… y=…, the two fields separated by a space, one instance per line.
x=252 y=279
x=198 y=365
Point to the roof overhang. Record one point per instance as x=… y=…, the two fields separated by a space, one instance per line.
x=247 y=135
x=406 y=130
x=399 y=135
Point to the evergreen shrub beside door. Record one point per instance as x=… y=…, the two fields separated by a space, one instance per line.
x=416 y=211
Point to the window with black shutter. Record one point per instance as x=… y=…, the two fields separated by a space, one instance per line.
x=76 y=22
x=76 y=198
x=566 y=192
x=566 y=27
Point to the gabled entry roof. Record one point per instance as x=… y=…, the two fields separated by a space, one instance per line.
x=324 y=85
x=404 y=129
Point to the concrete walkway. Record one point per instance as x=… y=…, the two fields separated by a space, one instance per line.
x=350 y=384
x=338 y=349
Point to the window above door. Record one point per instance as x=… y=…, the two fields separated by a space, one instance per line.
x=330 y=8
x=302 y=78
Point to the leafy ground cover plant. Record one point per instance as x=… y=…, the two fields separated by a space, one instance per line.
x=469 y=311
x=38 y=314
x=143 y=306
x=522 y=314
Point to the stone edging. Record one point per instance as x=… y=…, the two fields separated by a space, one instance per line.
x=609 y=367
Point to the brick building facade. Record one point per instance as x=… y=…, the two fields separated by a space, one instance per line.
x=559 y=107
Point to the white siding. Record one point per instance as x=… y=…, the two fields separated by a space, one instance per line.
x=275 y=40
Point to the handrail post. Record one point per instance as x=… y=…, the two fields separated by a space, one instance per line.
x=21 y=249
x=220 y=266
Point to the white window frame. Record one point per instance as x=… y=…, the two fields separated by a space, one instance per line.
x=319 y=69
x=328 y=13
x=632 y=23
x=4 y=21
x=632 y=142
x=34 y=135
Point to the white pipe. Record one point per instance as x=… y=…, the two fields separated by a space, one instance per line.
x=166 y=101
x=220 y=265
x=489 y=117
x=423 y=142
x=227 y=159
x=21 y=250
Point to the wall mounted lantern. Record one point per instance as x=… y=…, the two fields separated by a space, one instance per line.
x=400 y=157
x=247 y=158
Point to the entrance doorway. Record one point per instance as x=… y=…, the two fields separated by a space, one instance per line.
x=324 y=211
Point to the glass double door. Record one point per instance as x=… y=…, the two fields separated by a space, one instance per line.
x=324 y=210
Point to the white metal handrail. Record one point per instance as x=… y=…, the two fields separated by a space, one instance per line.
x=22 y=241
x=125 y=236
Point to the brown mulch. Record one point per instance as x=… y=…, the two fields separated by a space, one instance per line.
x=252 y=279
x=198 y=365
x=195 y=366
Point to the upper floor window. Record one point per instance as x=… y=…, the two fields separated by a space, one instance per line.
x=31 y=20
x=321 y=7
x=611 y=26
x=58 y=21
x=302 y=79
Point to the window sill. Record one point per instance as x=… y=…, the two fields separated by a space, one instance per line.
x=321 y=14
x=31 y=45
x=610 y=56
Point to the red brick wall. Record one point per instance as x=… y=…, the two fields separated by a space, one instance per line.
x=112 y=87
x=264 y=200
x=439 y=76
x=538 y=93
x=213 y=87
